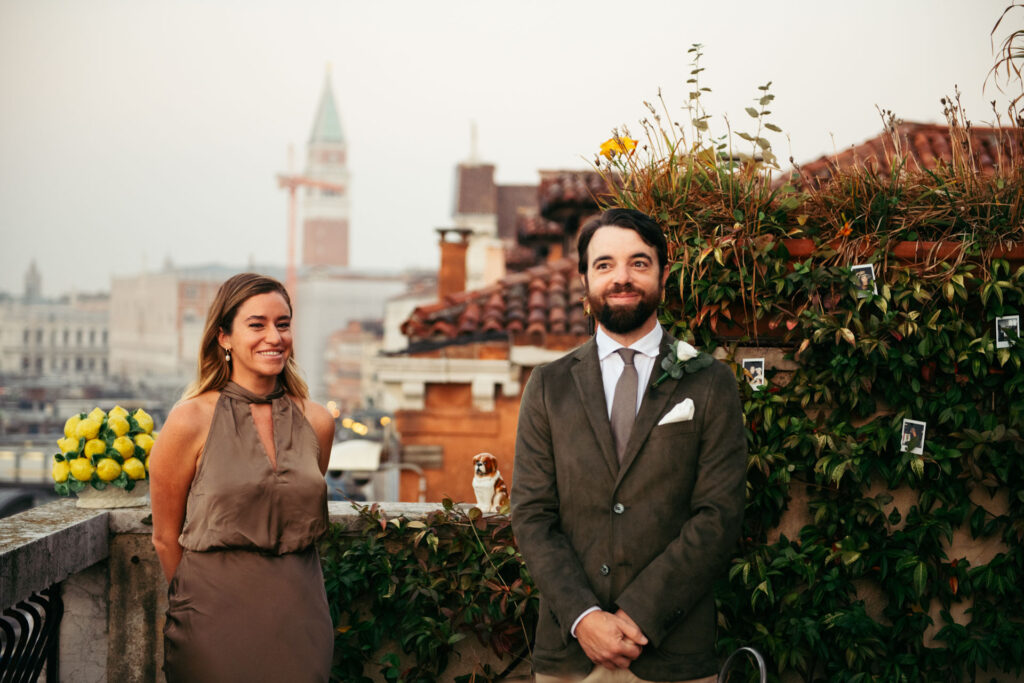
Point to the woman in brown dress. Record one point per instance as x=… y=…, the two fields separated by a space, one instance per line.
x=239 y=499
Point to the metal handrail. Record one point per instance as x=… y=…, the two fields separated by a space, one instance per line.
x=732 y=659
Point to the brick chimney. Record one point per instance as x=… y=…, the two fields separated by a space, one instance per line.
x=452 y=277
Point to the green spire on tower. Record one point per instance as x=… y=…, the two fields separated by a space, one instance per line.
x=327 y=125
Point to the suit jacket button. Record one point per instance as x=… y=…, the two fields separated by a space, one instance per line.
x=605 y=570
x=618 y=508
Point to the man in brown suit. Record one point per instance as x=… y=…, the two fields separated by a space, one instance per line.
x=628 y=488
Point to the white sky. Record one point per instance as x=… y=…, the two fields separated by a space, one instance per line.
x=136 y=130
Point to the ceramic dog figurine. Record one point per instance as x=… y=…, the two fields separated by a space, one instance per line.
x=490 y=489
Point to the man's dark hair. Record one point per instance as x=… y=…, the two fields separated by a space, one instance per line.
x=631 y=219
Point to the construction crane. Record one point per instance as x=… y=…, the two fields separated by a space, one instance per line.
x=292 y=182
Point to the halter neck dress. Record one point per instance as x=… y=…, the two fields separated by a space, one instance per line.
x=247 y=601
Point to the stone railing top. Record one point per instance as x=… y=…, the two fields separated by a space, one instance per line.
x=46 y=544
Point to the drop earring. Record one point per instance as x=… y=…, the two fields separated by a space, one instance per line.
x=227 y=355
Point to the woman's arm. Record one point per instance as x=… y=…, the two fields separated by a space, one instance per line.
x=323 y=427
x=172 y=466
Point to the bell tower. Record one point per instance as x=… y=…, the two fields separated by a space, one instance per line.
x=326 y=211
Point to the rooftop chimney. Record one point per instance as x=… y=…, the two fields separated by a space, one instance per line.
x=452 y=277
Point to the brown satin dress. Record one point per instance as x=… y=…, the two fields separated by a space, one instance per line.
x=247 y=602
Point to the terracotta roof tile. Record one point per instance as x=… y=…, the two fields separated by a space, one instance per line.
x=926 y=146
x=560 y=190
x=541 y=301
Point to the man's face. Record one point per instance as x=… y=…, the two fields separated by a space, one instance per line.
x=623 y=281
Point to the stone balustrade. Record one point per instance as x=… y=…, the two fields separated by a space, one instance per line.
x=114 y=592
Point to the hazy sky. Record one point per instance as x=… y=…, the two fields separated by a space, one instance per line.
x=132 y=131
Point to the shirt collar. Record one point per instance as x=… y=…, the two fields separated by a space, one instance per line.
x=649 y=344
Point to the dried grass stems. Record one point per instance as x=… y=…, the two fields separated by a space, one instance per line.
x=723 y=200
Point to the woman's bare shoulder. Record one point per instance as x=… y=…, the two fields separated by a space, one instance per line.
x=319 y=418
x=193 y=415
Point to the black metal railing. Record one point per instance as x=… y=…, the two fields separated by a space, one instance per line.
x=30 y=637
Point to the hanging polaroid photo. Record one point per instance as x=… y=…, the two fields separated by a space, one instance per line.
x=912 y=438
x=864 y=277
x=753 y=368
x=1004 y=323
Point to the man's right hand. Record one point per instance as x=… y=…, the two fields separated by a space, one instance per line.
x=608 y=640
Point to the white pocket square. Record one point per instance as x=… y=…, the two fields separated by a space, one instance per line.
x=681 y=412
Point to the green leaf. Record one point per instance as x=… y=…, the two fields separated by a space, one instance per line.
x=752 y=112
x=773 y=127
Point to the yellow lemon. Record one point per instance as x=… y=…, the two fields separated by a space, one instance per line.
x=61 y=470
x=107 y=469
x=95 y=447
x=144 y=420
x=134 y=468
x=67 y=445
x=125 y=446
x=70 y=425
x=147 y=463
x=87 y=429
x=117 y=411
x=118 y=425
x=144 y=441
x=81 y=469
x=97 y=414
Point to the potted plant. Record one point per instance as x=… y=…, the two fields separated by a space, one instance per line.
x=104 y=458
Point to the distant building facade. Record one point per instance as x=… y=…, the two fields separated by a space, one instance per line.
x=64 y=338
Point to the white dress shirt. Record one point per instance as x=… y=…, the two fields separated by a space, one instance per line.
x=647 y=349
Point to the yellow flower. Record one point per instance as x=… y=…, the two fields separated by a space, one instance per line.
x=61 y=470
x=617 y=145
x=70 y=425
x=117 y=411
x=134 y=468
x=107 y=469
x=95 y=447
x=144 y=441
x=87 y=428
x=67 y=445
x=81 y=469
x=144 y=421
x=118 y=425
x=125 y=446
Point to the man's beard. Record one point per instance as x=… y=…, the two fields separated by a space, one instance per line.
x=623 y=319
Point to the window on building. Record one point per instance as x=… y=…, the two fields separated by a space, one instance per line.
x=39 y=365
x=39 y=337
x=92 y=363
x=78 y=337
x=104 y=338
x=92 y=337
x=103 y=365
x=64 y=364
x=78 y=364
x=25 y=363
x=53 y=337
x=25 y=336
x=66 y=335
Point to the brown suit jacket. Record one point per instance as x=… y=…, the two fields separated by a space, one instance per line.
x=651 y=536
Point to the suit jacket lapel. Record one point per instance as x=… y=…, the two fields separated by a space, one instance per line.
x=651 y=407
x=586 y=373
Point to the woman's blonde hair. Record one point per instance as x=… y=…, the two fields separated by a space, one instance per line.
x=214 y=371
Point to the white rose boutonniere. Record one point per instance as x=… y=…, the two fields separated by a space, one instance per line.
x=683 y=358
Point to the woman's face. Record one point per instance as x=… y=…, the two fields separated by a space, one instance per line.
x=261 y=338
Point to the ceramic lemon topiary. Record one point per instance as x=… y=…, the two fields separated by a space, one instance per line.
x=104 y=451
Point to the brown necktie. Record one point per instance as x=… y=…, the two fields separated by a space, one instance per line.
x=624 y=402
